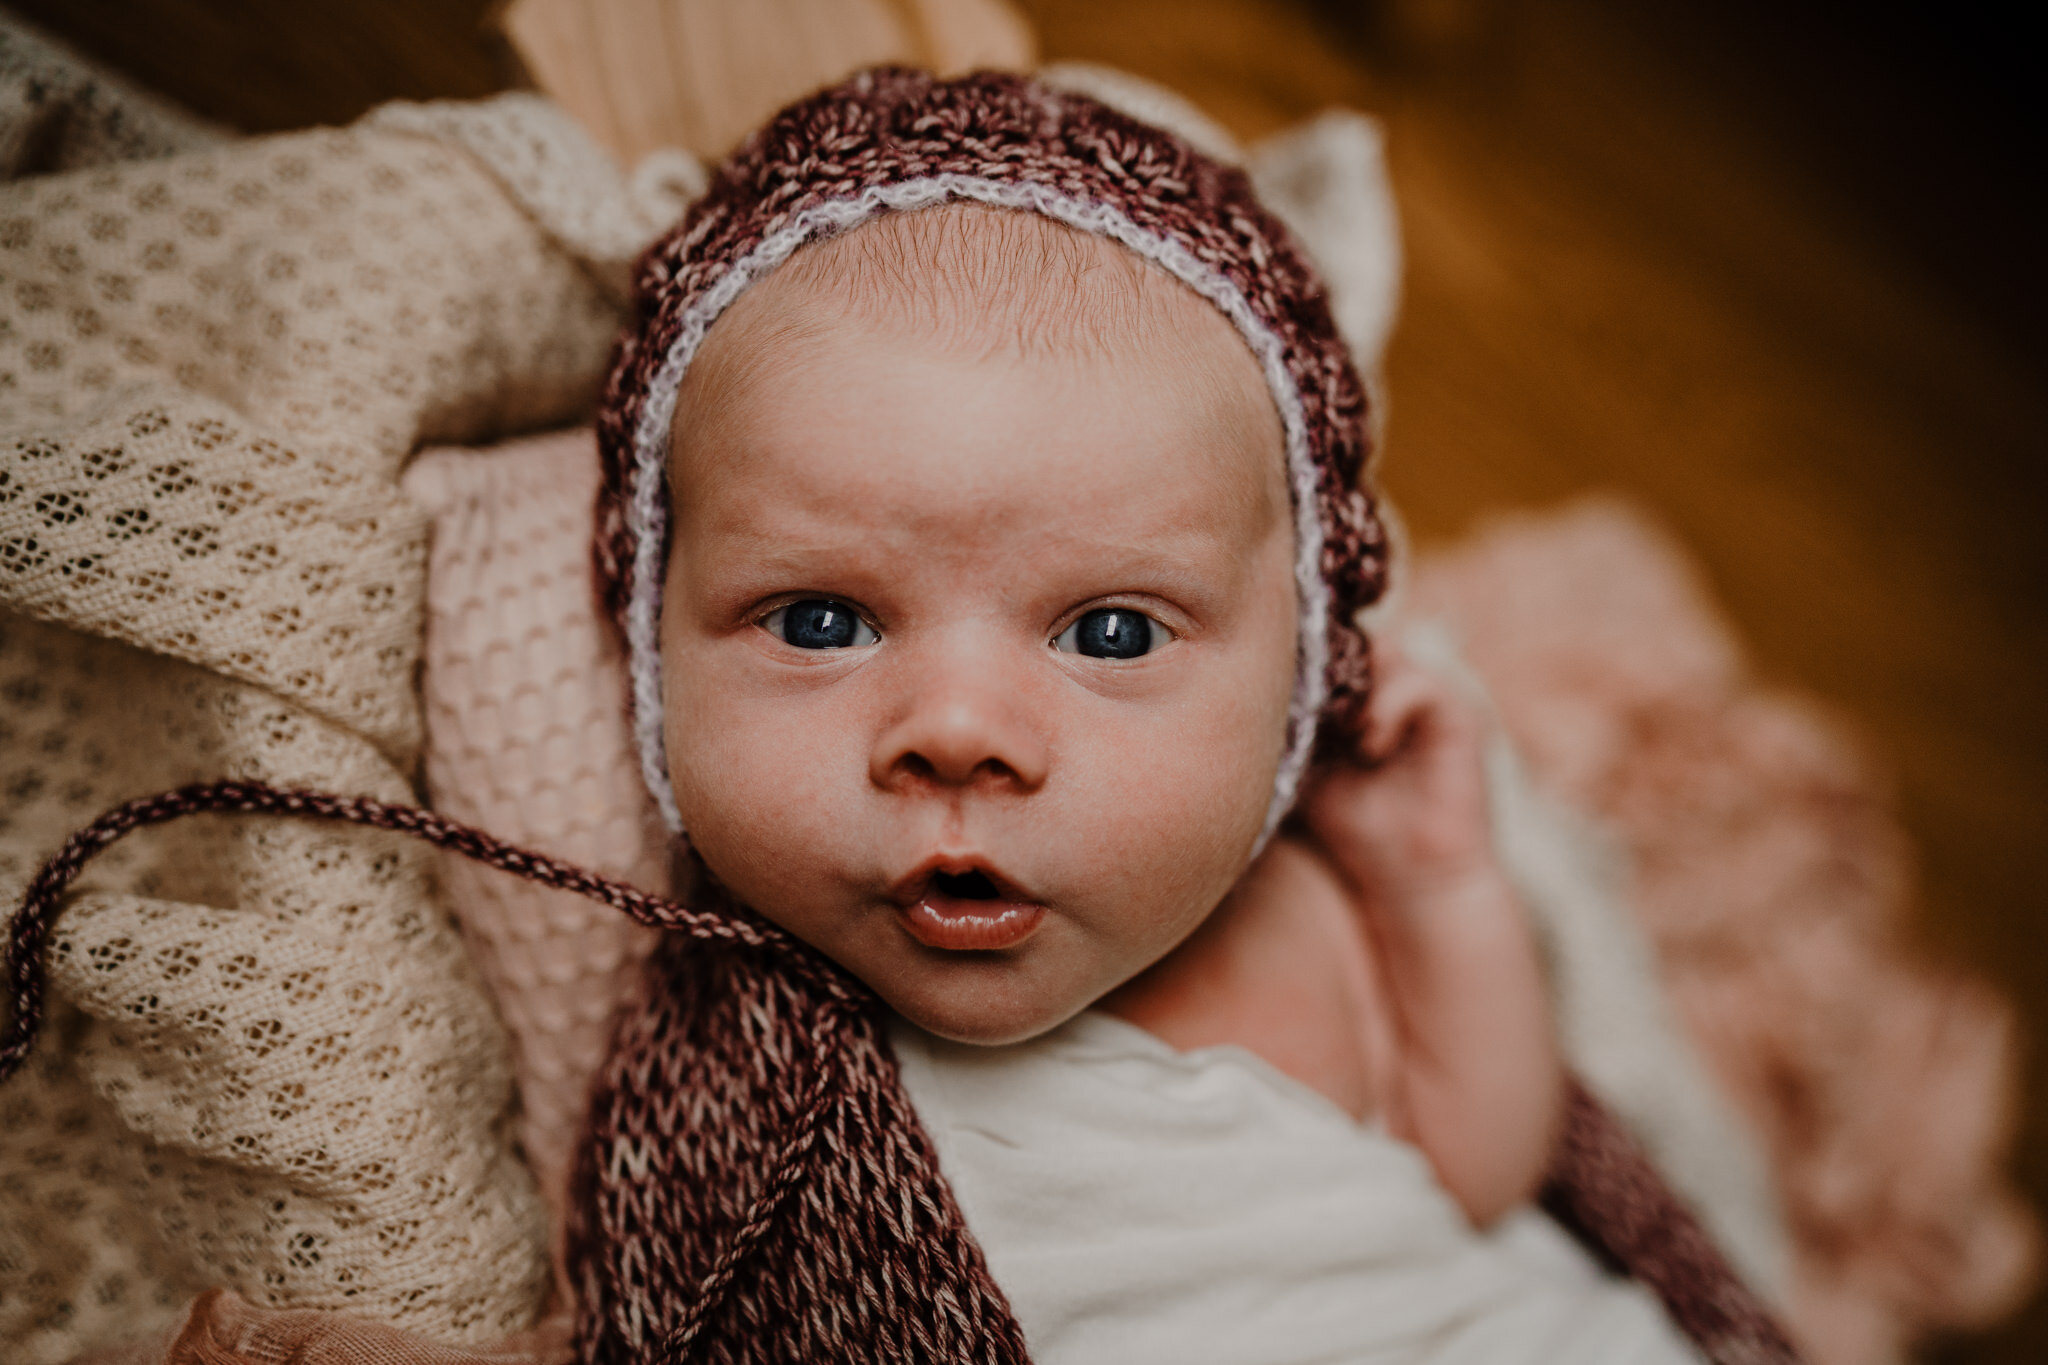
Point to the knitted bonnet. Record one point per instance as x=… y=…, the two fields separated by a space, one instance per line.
x=893 y=140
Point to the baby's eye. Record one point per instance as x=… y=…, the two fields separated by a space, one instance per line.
x=819 y=623
x=1112 y=633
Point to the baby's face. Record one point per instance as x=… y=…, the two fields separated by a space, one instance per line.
x=977 y=656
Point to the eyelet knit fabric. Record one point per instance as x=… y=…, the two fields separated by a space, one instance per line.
x=59 y=112
x=269 y=1064
x=895 y=141
x=228 y=1088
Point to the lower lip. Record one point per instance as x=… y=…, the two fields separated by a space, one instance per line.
x=963 y=926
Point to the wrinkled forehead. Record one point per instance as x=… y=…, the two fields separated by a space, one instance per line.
x=957 y=287
x=999 y=280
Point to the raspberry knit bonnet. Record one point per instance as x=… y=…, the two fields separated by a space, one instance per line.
x=894 y=141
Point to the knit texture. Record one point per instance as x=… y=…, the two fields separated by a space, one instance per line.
x=269 y=1063
x=222 y=1328
x=779 y=1200
x=756 y=1185
x=567 y=183
x=1602 y=1188
x=526 y=736
x=893 y=141
x=60 y=112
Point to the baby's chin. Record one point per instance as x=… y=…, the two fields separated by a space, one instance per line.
x=982 y=1012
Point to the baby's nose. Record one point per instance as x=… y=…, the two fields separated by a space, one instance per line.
x=961 y=724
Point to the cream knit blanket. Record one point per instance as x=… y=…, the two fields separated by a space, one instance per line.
x=269 y=1063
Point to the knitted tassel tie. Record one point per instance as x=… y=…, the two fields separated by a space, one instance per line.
x=755 y=1185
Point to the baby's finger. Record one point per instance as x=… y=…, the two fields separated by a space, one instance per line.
x=1420 y=798
x=1420 y=715
x=1402 y=695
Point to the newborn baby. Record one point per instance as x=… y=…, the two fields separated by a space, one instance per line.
x=987 y=562
x=978 y=640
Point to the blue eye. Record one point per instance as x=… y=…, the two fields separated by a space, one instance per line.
x=1112 y=633
x=819 y=623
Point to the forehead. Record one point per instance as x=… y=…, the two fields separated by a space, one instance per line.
x=994 y=281
x=961 y=327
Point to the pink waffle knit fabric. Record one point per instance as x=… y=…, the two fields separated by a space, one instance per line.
x=524 y=695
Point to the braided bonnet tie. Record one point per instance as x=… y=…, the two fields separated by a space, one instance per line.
x=754 y=1184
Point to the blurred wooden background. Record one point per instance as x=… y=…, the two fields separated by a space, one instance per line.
x=1772 y=270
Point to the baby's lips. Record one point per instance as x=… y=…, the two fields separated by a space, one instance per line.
x=971 y=925
x=916 y=885
x=963 y=903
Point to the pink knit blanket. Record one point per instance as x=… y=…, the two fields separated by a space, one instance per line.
x=1773 y=878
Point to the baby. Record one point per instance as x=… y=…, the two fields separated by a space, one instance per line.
x=978 y=642
x=984 y=524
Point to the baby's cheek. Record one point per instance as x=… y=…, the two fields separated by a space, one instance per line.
x=1174 y=812
x=757 y=807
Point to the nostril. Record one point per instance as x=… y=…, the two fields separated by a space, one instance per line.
x=966 y=886
x=918 y=767
x=913 y=771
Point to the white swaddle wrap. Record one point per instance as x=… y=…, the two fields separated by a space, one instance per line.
x=1141 y=1204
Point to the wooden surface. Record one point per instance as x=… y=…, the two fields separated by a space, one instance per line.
x=1634 y=264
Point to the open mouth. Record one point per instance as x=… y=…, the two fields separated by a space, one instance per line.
x=966 y=909
x=973 y=885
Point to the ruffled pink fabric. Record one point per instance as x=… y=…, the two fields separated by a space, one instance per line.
x=1774 y=881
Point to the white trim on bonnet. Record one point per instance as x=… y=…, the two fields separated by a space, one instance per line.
x=646 y=514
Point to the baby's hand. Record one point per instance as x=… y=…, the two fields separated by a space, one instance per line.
x=1477 y=1077
x=1387 y=963
x=1410 y=818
